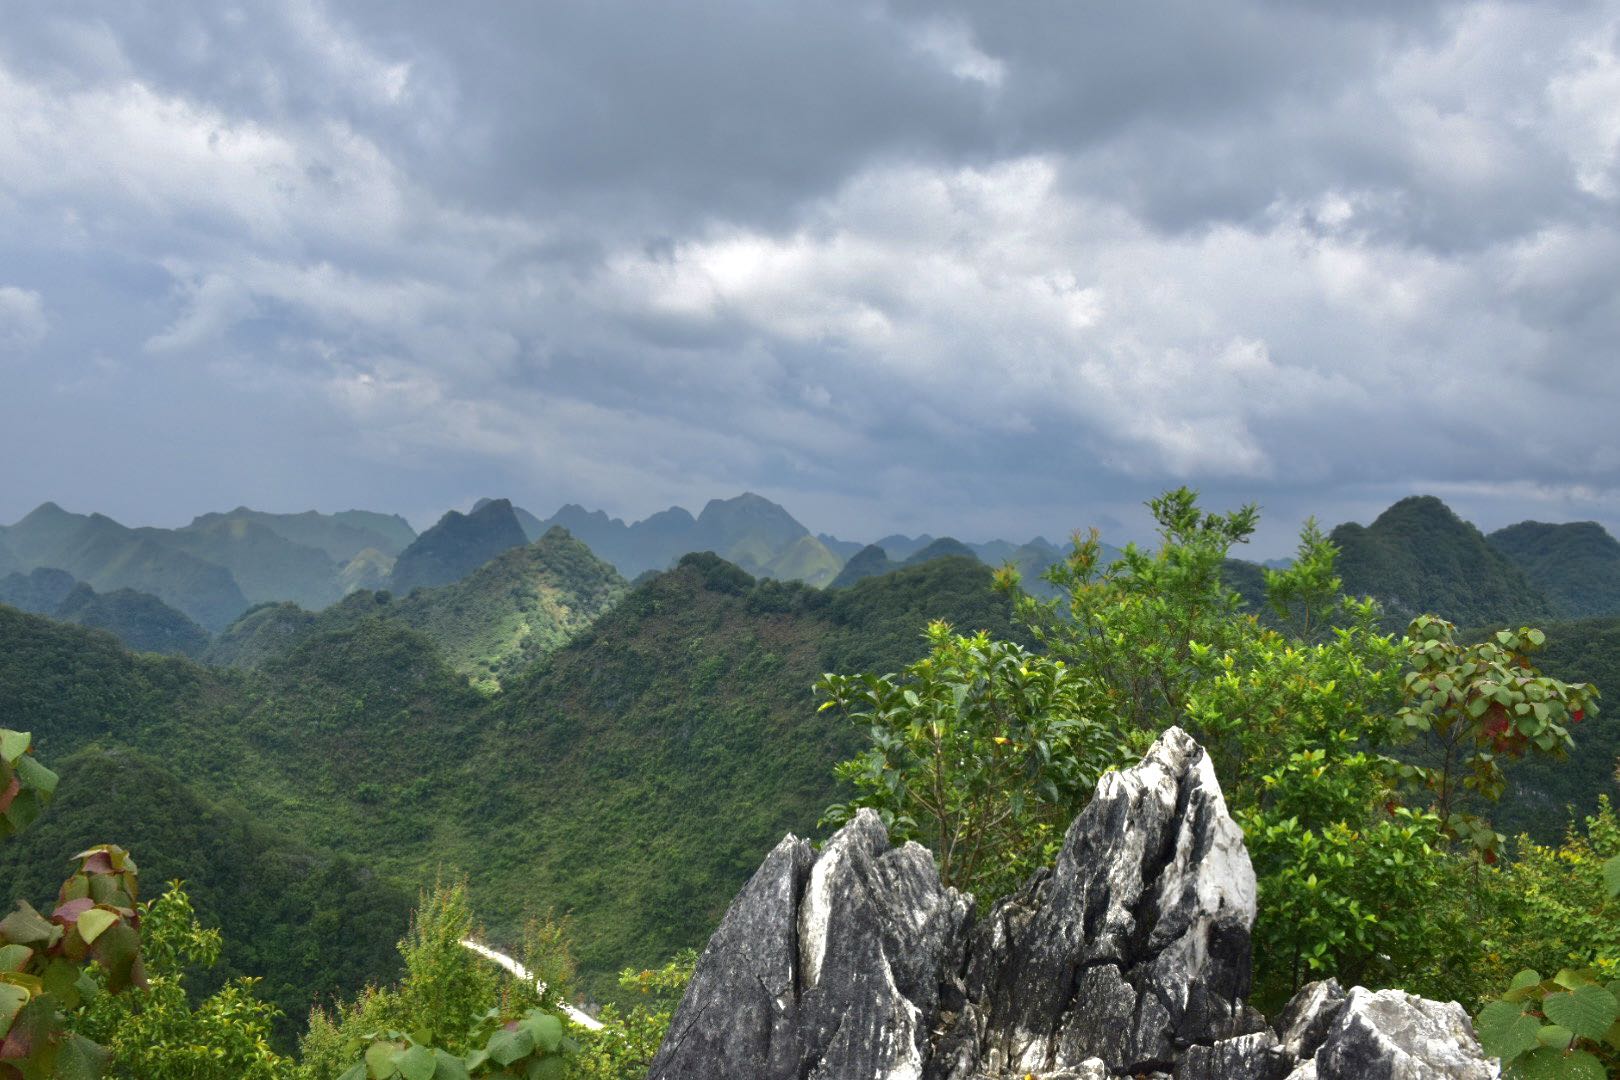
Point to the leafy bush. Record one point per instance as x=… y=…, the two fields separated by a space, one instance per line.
x=43 y=961
x=982 y=750
x=625 y=1047
x=155 y=1033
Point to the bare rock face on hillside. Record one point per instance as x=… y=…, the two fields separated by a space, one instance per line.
x=1129 y=957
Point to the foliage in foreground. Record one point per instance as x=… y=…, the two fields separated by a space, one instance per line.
x=982 y=750
x=1359 y=765
x=1568 y=1025
x=44 y=961
x=453 y=1014
x=155 y=1032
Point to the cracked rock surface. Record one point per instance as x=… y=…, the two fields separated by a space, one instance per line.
x=1131 y=956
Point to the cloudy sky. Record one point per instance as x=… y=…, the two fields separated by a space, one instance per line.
x=985 y=270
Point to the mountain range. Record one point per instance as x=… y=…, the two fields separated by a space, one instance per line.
x=214 y=568
x=1416 y=556
x=508 y=702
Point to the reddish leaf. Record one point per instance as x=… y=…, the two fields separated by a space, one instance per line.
x=98 y=862
x=68 y=914
x=10 y=793
x=30 y=1030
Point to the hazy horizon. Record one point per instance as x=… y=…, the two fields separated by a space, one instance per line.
x=967 y=270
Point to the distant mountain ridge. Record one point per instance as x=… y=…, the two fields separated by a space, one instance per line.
x=748 y=530
x=456 y=546
x=1417 y=555
x=215 y=567
x=767 y=541
x=99 y=551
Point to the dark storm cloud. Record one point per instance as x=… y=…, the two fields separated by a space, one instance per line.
x=978 y=268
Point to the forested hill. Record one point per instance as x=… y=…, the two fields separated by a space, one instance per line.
x=1576 y=565
x=677 y=739
x=633 y=778
x=1419 y=557
x=489 y=625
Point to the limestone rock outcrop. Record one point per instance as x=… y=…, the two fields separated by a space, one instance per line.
x=1130 y=957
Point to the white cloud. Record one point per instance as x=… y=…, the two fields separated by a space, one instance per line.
x=23 y=322
x=1353 y=277
x=951 y=44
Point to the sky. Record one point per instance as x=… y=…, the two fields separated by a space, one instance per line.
x=982 y=270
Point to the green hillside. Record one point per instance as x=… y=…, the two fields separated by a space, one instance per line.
x=40 y=591
x=262 y=633
x=313 y=925
x=676 y=740
x=140 y=620
x=1420 y=557
x=870 y=561
x=516 y=608
x=495 y=622
x=1577 y=565
x=634 y=778
x=807 y=559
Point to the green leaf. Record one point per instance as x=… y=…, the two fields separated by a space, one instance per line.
x=1588 y=1011
x=546 y=1030
x=14 y=957
x=1555 y=1036
x=1570 y=978
x=80 y=1059
x=448 y=1067
x=13 y=744
x=1550 y=1064
x=12 y=998
x=357 y=1071
x=1611 y=875
x=507 y=1046
x=548 y=1068
x=92 y=923
x=415 y=1063
x=25 y=926
x=1505 y=1031
x=36 y=775
x=1526 y=978
x=380 y=1060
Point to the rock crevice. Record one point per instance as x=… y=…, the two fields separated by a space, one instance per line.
x=1131 y=956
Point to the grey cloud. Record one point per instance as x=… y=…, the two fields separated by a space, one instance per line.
x=979 y=269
